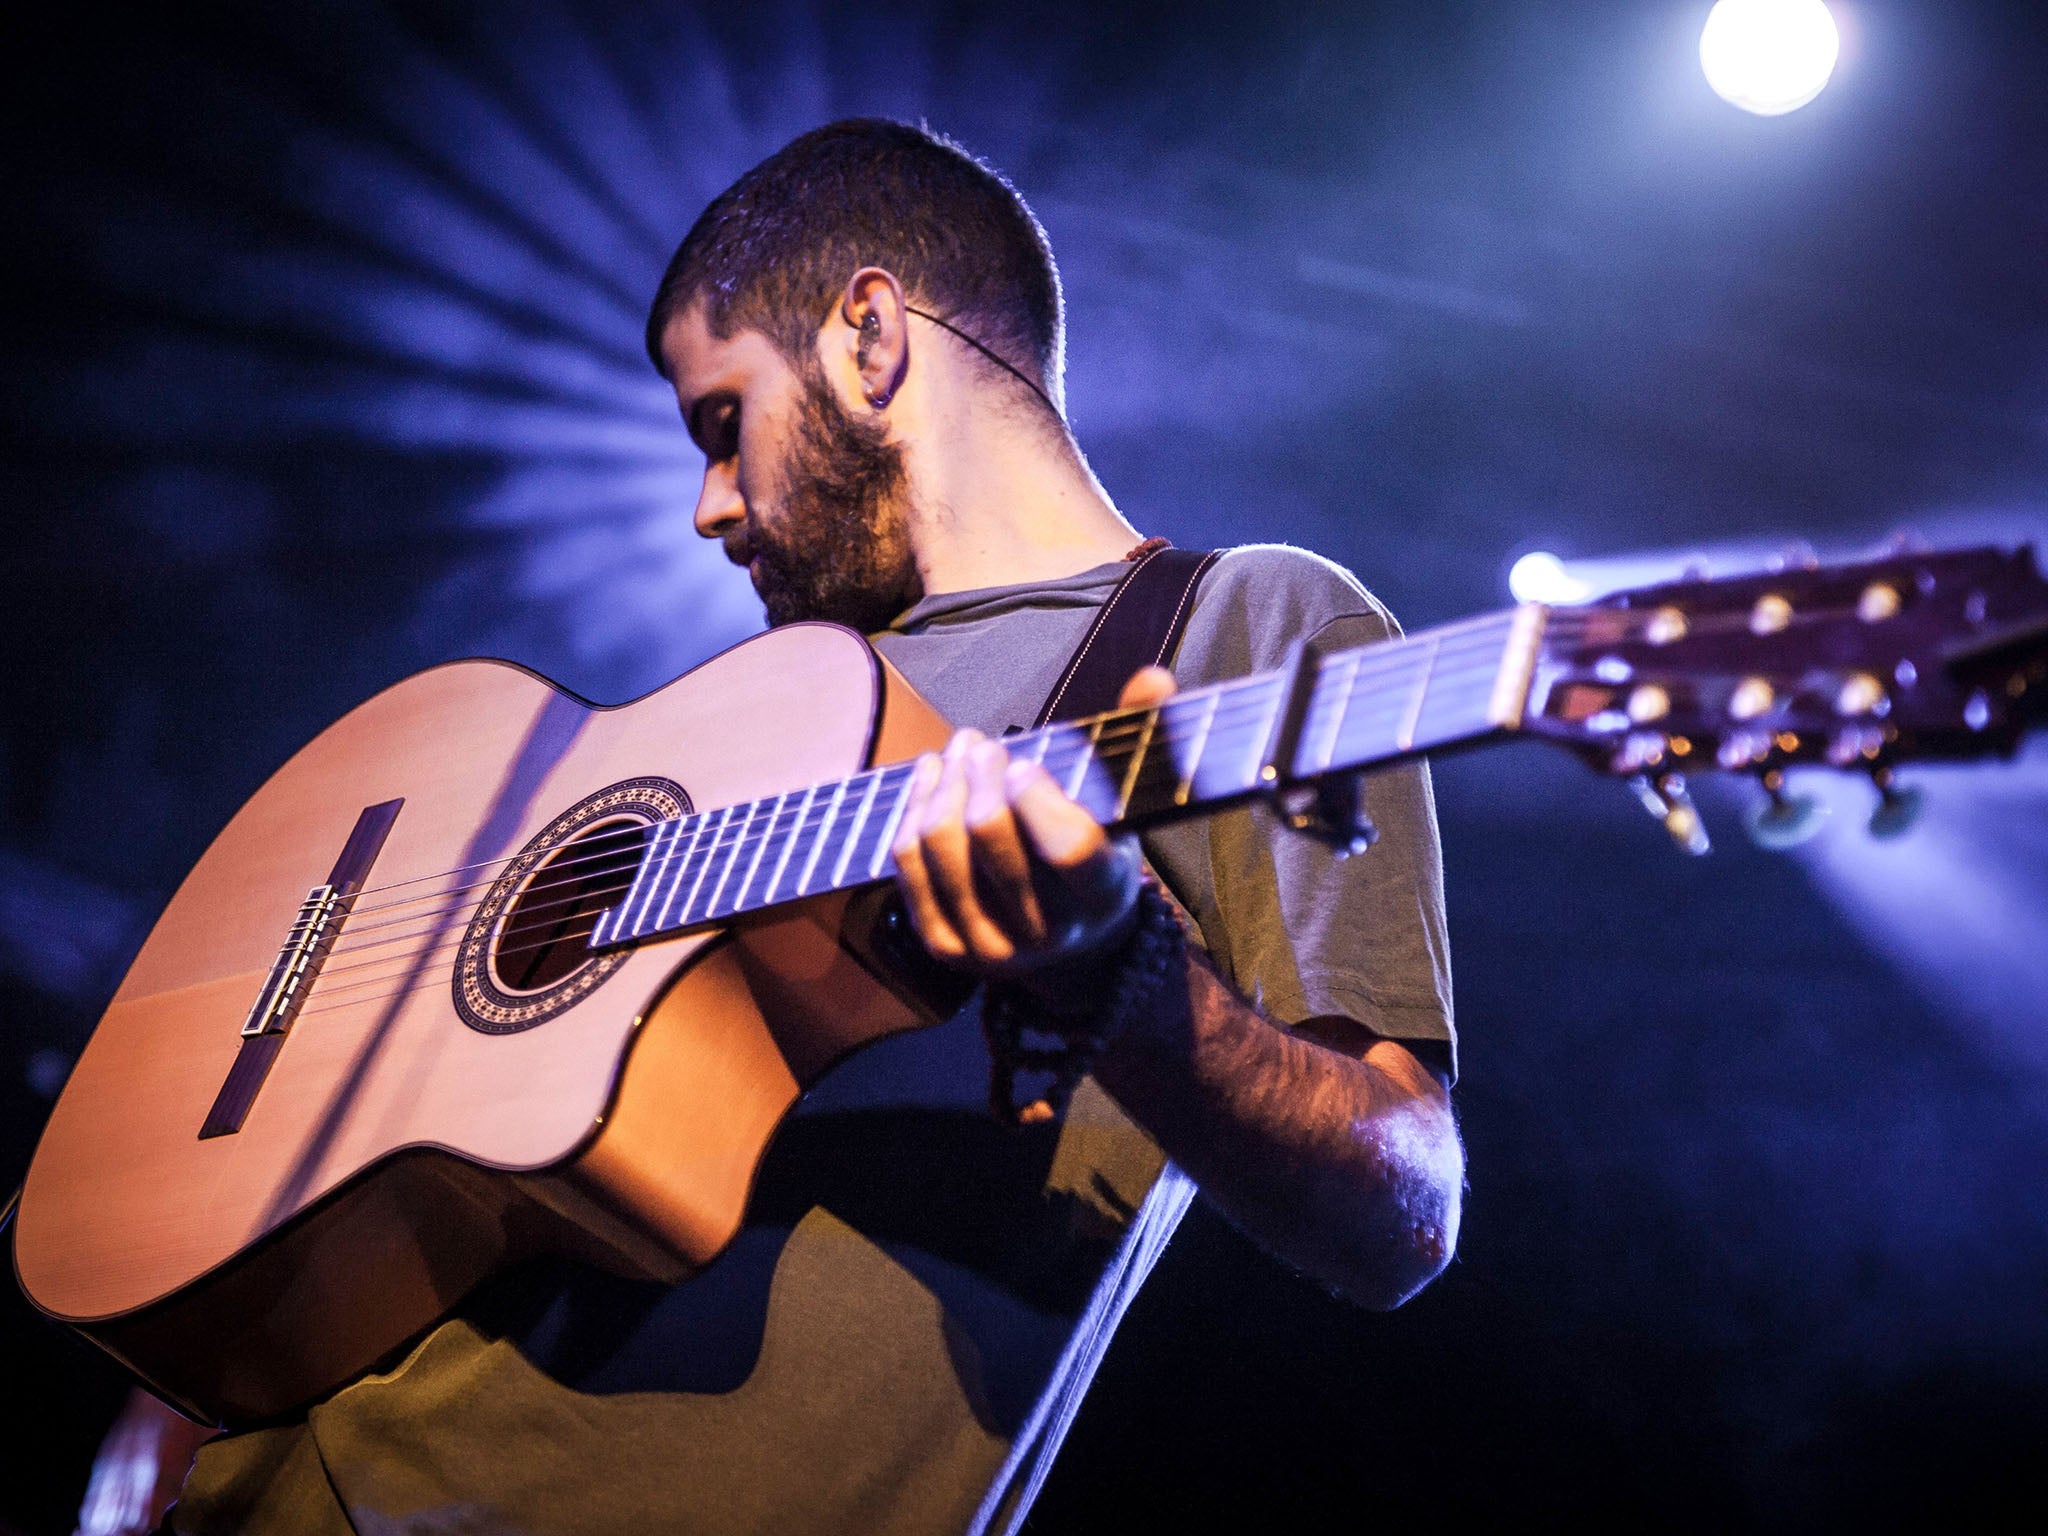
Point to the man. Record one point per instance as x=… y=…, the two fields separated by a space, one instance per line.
x=865 y=339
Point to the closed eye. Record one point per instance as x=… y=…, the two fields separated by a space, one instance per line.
x=714 y=424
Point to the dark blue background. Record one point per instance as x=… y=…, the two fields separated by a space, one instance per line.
x=323 y=365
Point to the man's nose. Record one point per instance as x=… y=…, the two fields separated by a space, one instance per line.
x=719 y=504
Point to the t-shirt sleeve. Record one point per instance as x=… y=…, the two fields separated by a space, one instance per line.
x=1299 y=931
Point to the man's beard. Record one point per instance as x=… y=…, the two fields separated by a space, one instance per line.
x=840 y=549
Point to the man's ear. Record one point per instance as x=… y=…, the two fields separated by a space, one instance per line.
x=873 y=335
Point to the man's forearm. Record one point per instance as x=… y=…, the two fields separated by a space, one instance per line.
x=1348 y=1168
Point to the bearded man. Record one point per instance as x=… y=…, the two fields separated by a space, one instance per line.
x=865 y=338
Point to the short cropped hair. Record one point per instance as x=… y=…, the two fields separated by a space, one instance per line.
x=773 y=252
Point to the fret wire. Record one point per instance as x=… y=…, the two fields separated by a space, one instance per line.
x=1457 y=707
x=633 y=912
x=1152 y=784
x=789 y=843
x=683 y=918
x=606 y=920
x=888 y=833
x=1343 y=708
x=867 y=799
x=1374 y=730
x=660 y=863
x=1185 y=785
x=1263 y=724
x=709 y=878
x=784 y=836
x=1123 y=797
x=1405 y=737
x=668 y=877
x=1087 y=755
x=668 y=880
x=645 y=880
x=852 y=858
x=739 y=897
x=1064 y=742
x=1384 y=707
x=732 y=854
x=818 y=834
x=1381 y=663
x=1374 y=703
x=723 y=854
x=818 y=840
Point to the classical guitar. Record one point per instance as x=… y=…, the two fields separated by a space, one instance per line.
x=485 y=970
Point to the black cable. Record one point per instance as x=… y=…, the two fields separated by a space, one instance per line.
x=1001 y=362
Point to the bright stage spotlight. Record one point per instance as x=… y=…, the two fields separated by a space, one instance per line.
x=1540 y=577
x=1769 y=56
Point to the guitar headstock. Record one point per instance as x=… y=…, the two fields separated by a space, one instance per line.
x=1935 y=655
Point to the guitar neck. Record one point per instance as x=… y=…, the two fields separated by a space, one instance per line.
x=1200 y=752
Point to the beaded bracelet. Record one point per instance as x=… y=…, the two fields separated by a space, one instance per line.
x=1025 y=1033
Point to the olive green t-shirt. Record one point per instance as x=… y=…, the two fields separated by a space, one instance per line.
x=899 y=1337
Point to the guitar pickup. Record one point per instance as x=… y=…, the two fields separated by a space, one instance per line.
x=291 y=977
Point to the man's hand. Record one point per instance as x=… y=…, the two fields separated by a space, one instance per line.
x=1002 y=873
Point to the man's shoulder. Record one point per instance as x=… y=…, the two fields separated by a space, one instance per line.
x=1259 y=598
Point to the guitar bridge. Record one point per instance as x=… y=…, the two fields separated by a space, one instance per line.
x=291 y=977
x=305 y=946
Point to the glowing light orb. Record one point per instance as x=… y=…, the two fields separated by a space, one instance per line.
x=1540 y=577
x=1769 y=56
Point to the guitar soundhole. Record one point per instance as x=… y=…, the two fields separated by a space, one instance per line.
x=525 y=957
x=546 y=933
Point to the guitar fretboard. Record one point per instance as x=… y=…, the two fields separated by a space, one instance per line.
x=1199 y=752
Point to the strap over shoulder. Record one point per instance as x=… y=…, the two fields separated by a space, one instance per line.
x=1139 y=625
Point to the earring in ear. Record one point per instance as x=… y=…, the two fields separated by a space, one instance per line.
x=870 y=333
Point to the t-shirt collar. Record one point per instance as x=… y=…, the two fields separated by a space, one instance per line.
x=1083 y=589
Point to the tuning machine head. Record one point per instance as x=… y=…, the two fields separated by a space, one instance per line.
x=1898 y=806
x=1784 y=820
x=1664 y=797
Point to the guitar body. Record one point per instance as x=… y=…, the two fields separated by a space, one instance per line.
x=441 y=1102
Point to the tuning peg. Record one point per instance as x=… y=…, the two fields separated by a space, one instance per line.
x=1898 y=807
x=1784 y=821
x=1664 y=797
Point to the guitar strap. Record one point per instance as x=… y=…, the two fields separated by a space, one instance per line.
x=1138 y=626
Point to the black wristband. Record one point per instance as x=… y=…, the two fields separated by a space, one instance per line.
x=1025 y=1033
